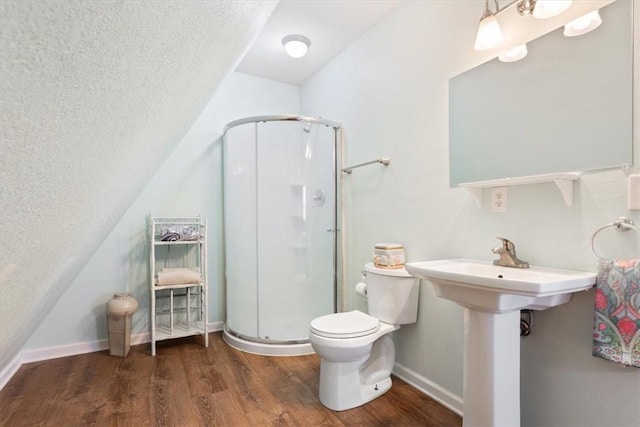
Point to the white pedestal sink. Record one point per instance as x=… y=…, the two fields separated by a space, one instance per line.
x=493 y=297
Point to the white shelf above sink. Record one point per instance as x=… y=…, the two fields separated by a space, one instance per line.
x=564 y=182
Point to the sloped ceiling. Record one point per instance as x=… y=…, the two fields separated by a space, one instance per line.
x=93 y=97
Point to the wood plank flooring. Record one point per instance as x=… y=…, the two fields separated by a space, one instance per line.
x=189 y=385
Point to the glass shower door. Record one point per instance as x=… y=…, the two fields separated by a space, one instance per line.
x=295 y=228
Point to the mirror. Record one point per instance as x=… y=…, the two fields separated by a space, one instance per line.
x=566 y=107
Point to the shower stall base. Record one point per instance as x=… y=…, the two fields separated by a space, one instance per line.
x=264 y=348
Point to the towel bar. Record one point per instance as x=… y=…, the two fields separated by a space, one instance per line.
x=385 y=161
x=620 y=224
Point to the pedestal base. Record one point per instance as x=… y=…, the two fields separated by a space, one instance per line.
x=491 y=388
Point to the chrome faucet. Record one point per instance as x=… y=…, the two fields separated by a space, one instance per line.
x=508 y=256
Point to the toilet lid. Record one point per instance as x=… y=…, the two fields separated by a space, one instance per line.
x=351 y=324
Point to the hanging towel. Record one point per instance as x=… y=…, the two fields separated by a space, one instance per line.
x=616 y=332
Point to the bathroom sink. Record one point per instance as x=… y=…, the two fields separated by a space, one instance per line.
x=481 y=285
x=492 y=296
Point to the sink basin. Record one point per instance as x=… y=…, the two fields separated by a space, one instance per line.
x=481 y=285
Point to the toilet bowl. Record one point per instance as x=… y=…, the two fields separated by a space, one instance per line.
x=356 y=351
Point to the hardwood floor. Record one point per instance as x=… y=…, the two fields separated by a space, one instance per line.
x=189 y=385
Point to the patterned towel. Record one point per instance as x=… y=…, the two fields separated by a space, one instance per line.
x=616 y=331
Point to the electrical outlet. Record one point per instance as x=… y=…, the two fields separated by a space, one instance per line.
x=499 y=199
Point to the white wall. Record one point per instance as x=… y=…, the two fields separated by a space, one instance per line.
x=187 y=183
x=390 y=90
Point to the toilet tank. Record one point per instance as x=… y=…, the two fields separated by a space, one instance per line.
x=392 y=294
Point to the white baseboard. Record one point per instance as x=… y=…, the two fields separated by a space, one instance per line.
x=428 y=387
x=216 y=326
x=7 y=373
x=54 y=352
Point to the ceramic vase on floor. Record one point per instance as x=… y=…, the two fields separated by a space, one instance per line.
x=120 y=309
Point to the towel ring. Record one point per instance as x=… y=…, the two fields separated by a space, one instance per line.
x=620 y=224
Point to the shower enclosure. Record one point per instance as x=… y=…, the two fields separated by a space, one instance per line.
x=280 y=225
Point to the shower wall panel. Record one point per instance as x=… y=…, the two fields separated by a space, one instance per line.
x=240 y=211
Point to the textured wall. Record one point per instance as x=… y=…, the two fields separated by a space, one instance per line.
x=93 y=97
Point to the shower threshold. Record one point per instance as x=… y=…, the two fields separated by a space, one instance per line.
x=264 y=348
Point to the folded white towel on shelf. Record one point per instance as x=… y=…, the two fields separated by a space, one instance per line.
x=178 y=276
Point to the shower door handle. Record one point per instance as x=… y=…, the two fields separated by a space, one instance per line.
x=331 y=230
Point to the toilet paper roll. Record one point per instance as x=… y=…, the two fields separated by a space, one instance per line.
x=361 y=289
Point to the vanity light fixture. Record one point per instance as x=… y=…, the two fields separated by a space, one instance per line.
x=583 y=25
x=489 y=32
x=514 y=54
x=296 y=45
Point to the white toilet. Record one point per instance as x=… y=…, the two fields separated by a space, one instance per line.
x=356 y=351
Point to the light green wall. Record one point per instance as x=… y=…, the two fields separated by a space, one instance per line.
x=390 y=91
x=188 y=183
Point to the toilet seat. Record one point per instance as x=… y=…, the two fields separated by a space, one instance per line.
x=351 y=324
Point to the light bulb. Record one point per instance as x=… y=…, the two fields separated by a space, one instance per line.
x=489 y=33
x=514 y=54
x=583 y=25
x=548 y=8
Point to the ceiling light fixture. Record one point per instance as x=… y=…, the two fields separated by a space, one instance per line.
x=296 y=45
x=583 y=25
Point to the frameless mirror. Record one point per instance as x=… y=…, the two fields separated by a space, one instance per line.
x=565 y=107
